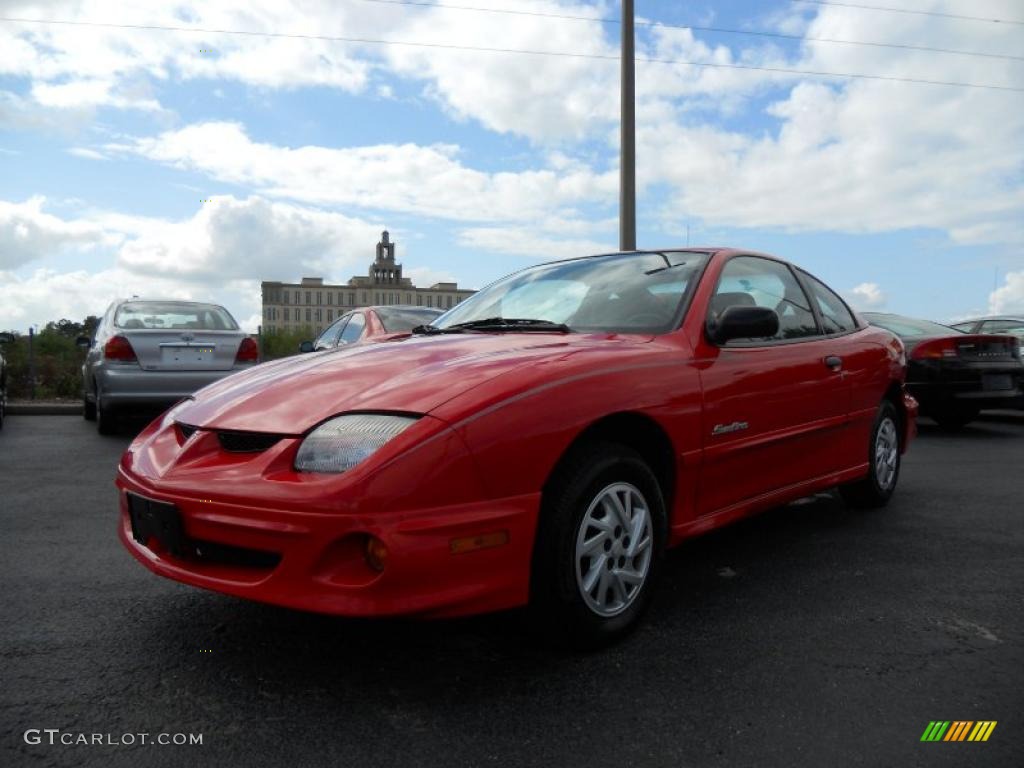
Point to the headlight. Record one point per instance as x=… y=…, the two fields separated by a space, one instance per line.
x=341 y=443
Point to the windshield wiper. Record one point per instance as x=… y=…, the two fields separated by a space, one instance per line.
x=498 y=324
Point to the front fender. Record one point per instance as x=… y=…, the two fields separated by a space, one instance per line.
x=517 y=434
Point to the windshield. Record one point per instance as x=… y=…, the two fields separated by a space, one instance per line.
x=137 y=315
x=620 y=293
x=397 y=320
x=909 y=327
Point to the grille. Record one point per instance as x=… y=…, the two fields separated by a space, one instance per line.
x=225 y=554
x=246 y=442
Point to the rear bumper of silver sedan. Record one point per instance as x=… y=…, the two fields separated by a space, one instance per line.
x=128 y=386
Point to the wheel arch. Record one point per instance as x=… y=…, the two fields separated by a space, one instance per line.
x=634 y=430
x=895 y=394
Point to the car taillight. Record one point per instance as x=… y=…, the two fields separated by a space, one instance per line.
x=248 y=352
x=119 y=348
x=935 y=349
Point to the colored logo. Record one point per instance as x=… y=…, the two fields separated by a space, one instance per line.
x=958 y=730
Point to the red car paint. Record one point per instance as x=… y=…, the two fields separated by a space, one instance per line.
x=498 y=411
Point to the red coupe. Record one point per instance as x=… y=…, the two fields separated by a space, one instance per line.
x=542 y=443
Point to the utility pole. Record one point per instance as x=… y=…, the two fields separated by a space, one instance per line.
x=627 y=135
x=31 y=363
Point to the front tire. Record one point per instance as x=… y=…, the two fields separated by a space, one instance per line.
x=599 y=544
x=884 y=459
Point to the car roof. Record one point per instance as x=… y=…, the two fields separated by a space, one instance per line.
x=398 y=306
x=158 y=300
x=1014 y=318
x=706 y=250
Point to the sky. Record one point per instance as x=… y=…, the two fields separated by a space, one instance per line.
x=194 y=164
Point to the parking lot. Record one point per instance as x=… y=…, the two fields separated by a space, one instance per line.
x=811 y=635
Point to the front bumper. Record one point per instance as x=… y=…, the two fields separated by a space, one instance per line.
x=321 y=565
x=130 y=385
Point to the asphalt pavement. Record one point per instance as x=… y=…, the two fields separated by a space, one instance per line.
x=811 y=635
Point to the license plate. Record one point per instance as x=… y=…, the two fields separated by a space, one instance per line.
x=157 y=520
x=996 y=381
x=187 y=354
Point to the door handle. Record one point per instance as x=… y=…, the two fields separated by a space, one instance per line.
x=834 y=362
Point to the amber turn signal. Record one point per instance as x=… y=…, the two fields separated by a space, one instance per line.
x=376 y=553
x=484 y=540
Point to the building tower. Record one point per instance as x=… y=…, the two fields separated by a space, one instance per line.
x=384 y=270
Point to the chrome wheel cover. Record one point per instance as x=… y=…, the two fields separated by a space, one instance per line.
x=887 y=454
x=614 y=545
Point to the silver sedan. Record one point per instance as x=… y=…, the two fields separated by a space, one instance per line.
x=153 y=353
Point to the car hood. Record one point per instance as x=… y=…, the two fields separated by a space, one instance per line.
x=414 y=375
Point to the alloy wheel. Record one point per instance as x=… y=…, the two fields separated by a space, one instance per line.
x=614 y=546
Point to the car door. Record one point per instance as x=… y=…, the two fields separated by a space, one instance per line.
x=774 y=408
x=864 y=367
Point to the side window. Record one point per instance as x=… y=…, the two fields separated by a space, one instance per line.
x=329 y=338
x=836 y=317
x=750 y=281
x=354 y=329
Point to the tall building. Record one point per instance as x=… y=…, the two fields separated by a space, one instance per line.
x=314 y=305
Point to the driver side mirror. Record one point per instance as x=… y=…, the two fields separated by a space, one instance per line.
x=306 y=346
x=742 y=322
x=84 y=342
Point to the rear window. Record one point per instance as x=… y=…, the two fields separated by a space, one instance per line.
x=399 y=320
x=178 y=316
x=909 y=327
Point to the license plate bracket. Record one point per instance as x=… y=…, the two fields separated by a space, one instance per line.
x=995 y=382
x=159 y=520
x=177 y=353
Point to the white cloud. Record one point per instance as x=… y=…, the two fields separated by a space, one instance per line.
x=861 y=156
x=220 y=254
x=229 y=239
x=50 y=295
x=427 y=276
x=542 y=97
x=70 y=66
x=88 y=154
x=27 y=233
x=529 y=242
x=427 y=180
x=866 y=296
x=88 y=93
x=1009 y=297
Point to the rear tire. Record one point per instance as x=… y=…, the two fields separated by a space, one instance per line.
x=884 y=459
x=600 y=539
x=88 y=408
x=106 y=419
x=954 y=417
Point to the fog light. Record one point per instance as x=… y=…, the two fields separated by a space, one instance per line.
x=376 y=553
